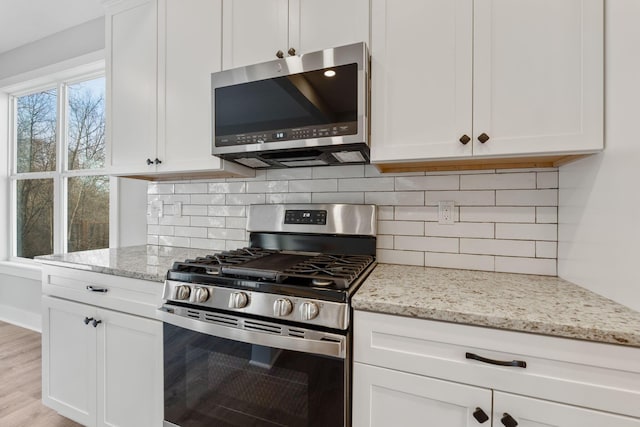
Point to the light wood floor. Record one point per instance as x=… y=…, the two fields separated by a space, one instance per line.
x=20 y=381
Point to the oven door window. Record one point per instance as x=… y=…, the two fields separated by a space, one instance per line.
x=211 y=381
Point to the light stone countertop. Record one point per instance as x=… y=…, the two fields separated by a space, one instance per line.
x=146 y=262
x=519 y=302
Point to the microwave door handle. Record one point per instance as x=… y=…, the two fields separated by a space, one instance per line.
x=327 y=348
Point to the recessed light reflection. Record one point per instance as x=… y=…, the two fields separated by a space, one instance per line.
x=329 y=73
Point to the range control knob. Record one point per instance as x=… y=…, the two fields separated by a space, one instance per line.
x=282 y=307
x=309 y=310
x=200 y=294
x=238 y=300
x=183 y=292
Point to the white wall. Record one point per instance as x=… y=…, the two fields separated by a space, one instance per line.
x=73 y=42
x=599 y=197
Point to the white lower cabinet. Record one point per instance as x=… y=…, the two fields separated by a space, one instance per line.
x=100 y=367
x=384 y=397
x=410 y=372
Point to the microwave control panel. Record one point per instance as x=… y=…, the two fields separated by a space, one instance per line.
x=307 y=132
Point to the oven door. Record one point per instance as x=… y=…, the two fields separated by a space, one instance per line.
x=241 y=372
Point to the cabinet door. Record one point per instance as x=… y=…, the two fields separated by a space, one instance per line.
x=320 y=24
x=528 y=412
x=253 y=31
x=132 y=85
x=421 y=69
x=538 y=82
x=68 y=359
x=192 y=40
x=384 y=397
x=130 y=378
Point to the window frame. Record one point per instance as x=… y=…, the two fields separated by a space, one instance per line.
x=61 y=175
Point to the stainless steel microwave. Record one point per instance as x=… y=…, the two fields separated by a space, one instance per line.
x=306 y=110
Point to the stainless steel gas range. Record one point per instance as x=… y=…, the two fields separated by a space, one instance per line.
x=261 y=335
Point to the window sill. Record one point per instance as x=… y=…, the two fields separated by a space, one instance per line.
x=25 y=270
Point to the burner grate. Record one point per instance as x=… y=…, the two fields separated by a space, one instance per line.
x=327 y=269
x=211 y=264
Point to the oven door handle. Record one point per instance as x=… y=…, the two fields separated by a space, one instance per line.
x=333 y=345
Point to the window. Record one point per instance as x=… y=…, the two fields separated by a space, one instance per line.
x=60 y=193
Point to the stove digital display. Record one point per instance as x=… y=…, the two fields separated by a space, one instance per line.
x=305 y=217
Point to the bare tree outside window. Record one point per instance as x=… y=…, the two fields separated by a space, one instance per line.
x=87 y=196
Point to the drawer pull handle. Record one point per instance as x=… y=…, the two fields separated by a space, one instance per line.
x=95 y=323
x=480 y=415
x=516 y=363
x=508 y=421
x=96 y=289
x=87 y=320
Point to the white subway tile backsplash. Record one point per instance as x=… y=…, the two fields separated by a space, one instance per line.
x=547 y=180
x=208 y=244
x=547 y=215
x=191 y=232
x=268 y=187
x=208 y=221
x=504 y=220
x=245 y=199
x=385 y=212
x=460 y=229
x=400 y=257
x=426 y=244
x=366 y=184
x=522 y=248
x=430 y=182
x=403 y=228
x=191 y=188
x=527 y=231
x=314 y=186
x=166 y=230
x=384 y=242
x=159 y=188
x=181 y=242
x=207 y=199
x=174 y=220
x=347 y=197
x=227 y=210
x=527 y=197
x=497 y=214
x=354 y=171
x=541 y=266
x=236 y=222
x=462 y=198
x=190 y=210
x=463 y=261
x=546 y=250
x=226 y=234
x=228 y=187
x=498 y=181
x=397 y=198
x=288 y=174
x=288 y=198
x=416 y=213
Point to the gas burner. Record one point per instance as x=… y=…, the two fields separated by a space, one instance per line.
x=321 y=282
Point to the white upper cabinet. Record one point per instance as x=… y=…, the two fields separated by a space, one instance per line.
x=526 y=77
x=255 y=31
x=132 y=86
x=161 y=54
x=421 y=68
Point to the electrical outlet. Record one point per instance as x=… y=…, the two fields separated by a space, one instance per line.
x=155 y=209
x=445 y=212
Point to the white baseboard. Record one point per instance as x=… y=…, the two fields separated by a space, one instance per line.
x=22 y=318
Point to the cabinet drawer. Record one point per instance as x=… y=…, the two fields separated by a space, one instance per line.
x=124 y=294
x=594 y=375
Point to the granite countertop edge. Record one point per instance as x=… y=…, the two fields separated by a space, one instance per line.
x=518 y=302
x=543 y=305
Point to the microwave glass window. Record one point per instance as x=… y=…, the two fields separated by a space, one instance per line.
x=307 y=102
